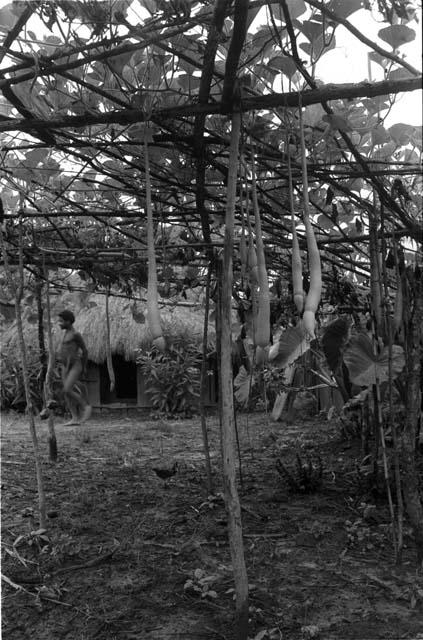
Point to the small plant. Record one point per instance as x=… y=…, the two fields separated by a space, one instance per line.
x=200 y=583
x=362 y=536
x=303 y=477
x=38 y=540
x=172 y=378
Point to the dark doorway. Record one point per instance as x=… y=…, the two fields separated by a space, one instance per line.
x=126 y=382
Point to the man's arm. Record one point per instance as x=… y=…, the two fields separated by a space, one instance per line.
x=81 y=344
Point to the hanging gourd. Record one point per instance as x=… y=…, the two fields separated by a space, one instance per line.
x=297 y=269
x=262 y=324
x=313 y=296
x=153 y=313
x=243 y=251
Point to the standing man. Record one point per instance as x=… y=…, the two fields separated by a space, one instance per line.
x=73 y=356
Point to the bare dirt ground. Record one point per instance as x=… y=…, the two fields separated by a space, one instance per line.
x=128 y=556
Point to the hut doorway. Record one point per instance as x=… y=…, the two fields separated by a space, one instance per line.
x=125 y=391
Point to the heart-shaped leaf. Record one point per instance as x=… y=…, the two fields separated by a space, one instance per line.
x=366 y=367
x=289 y=347
x=242 y=384
x=397 y=34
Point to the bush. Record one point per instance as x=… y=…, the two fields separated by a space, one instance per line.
x=12 y=394
x=12 y=384
x=172 y=378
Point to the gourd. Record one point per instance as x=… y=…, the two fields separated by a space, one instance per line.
x=314 y=293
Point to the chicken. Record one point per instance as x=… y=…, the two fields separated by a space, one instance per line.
x=165 y=474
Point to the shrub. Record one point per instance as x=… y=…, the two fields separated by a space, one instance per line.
x=12 y=385
x=172 y=378
x=12 y=395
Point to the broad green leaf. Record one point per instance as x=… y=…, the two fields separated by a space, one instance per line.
x=365 y=367
x=402 y=133
x=400 y=74
x=344 y=8
x=242 y=384
x=397 y=34
x=324 y=222
x=313 y=114
x=380 y=135
x=284 y=64
x=318 y=47
x=379 y=59
x=296 y=8
x=9 y=15
x=289 y=347
x=337 y=122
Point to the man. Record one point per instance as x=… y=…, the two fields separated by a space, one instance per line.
x=73 y=356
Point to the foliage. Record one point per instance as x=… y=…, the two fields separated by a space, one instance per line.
x=366 y=367
x=200 y=584
x=12 y=392
x=172 y=378
x=305 y=476
x=12 y=384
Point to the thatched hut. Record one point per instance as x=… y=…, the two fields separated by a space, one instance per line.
x=129 y=334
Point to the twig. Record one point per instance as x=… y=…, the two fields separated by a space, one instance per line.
x=86 y=565
x=12 y=584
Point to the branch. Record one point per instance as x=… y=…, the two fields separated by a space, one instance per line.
x=362 y=38
x=292 y=99
x=232 y=59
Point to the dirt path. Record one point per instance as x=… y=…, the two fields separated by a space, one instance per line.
x=129 y=556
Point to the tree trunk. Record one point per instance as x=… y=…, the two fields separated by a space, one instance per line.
x=226 y=387
x=413 y=339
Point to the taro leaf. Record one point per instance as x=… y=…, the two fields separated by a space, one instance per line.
x=365 y=367
x=397 y=35
x=289 y=347
x=242 y=384
x=334 y=339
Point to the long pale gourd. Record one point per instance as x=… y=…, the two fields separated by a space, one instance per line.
x=297 y=268
x=262 y=325
x=243 y=251
x=313 y=296
x=153 y=312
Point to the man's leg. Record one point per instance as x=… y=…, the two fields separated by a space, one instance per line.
x=73 y=399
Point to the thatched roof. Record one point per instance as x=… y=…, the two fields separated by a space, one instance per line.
x=128 y=326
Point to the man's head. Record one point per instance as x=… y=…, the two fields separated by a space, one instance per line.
x=66 y=318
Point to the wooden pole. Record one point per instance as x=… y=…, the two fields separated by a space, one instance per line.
x=228 y=426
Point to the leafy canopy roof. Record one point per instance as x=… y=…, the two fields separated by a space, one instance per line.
x=85 y=84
